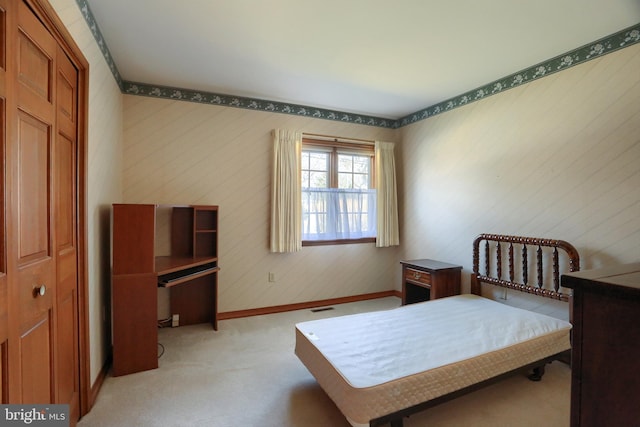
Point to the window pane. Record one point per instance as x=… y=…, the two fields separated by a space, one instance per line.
x=345 y=180
x=319 y=161
x=318 y=180
x=360 y=164
x=315 y=169
x=345 y=163
x=353 y=171
x=361 y=182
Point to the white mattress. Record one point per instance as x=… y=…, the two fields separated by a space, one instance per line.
x=374 y=364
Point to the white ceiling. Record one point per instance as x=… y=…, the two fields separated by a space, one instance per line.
x=375 y=57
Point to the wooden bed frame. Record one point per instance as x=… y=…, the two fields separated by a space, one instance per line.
x=499 y=241
x=547 y=284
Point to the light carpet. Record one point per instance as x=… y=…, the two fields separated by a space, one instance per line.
x=247 y=375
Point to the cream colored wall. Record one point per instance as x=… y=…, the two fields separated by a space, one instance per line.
x=179 y=152
x=557 y=158
x=104 y=182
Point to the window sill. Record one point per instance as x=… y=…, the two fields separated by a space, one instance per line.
x=338 y=242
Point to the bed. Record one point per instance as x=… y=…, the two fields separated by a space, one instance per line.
x=380 y=367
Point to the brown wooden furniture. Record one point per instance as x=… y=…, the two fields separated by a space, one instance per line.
x=531 y=251
x=606 y=346
x=44 y=350
x=550 y=257
x=190 y=271
x=426 y=279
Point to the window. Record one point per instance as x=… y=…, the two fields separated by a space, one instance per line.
x=338 y=198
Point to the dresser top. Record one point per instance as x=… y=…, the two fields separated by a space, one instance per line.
x=620 y=278
x=430 y=264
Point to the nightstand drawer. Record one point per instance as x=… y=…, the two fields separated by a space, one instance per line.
x=417 y=276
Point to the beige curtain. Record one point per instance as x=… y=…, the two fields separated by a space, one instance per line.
x=286 y=215
x=387 y=196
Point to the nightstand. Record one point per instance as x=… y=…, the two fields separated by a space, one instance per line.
x=427 y=279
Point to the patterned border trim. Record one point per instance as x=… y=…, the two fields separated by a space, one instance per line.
x=145 y=89
x=616 y=41
x=97 y=35
x=577 y=56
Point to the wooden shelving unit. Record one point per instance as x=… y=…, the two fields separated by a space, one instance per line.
x=190 y=271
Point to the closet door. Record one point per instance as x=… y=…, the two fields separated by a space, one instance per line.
x=4 y=335
x=66 y=252
x=43 y=355
x=30 y=154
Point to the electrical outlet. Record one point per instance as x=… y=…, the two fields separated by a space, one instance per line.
x=272 y=276
x=175 y=320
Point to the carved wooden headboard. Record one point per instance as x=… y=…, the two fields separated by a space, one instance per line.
x=519 y=276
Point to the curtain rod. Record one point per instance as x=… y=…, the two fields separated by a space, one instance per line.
x=340 y=138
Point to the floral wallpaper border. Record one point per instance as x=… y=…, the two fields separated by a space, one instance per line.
x=144 y=89
x=616 y=41
x=577 y=56
x=97 y=35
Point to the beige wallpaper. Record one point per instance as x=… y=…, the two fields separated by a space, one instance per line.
x=187 y=153
x=104 y=182
x=557 y=158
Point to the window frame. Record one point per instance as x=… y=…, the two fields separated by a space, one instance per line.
x=334 y=148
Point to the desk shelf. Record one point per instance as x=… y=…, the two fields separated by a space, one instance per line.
x=189 y=271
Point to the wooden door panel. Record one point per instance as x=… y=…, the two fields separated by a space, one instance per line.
x=33 y=217
x=34 y=68
x=35 y=353
x=4 y=319
x=3 y=47
x=67 y=356
x=66 y=187
x=4 y=291
x=4 y=295
x=4 y=327
x=66 y=96
x=32 y=179
x=4 y=384
x=33 y=189
x=36 y=50
x=67 y=274
x=65 y=200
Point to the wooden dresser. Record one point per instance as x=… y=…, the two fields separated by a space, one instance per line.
x=427 y=279
x=606 y=346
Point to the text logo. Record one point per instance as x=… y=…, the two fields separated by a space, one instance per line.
x=34 y=415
